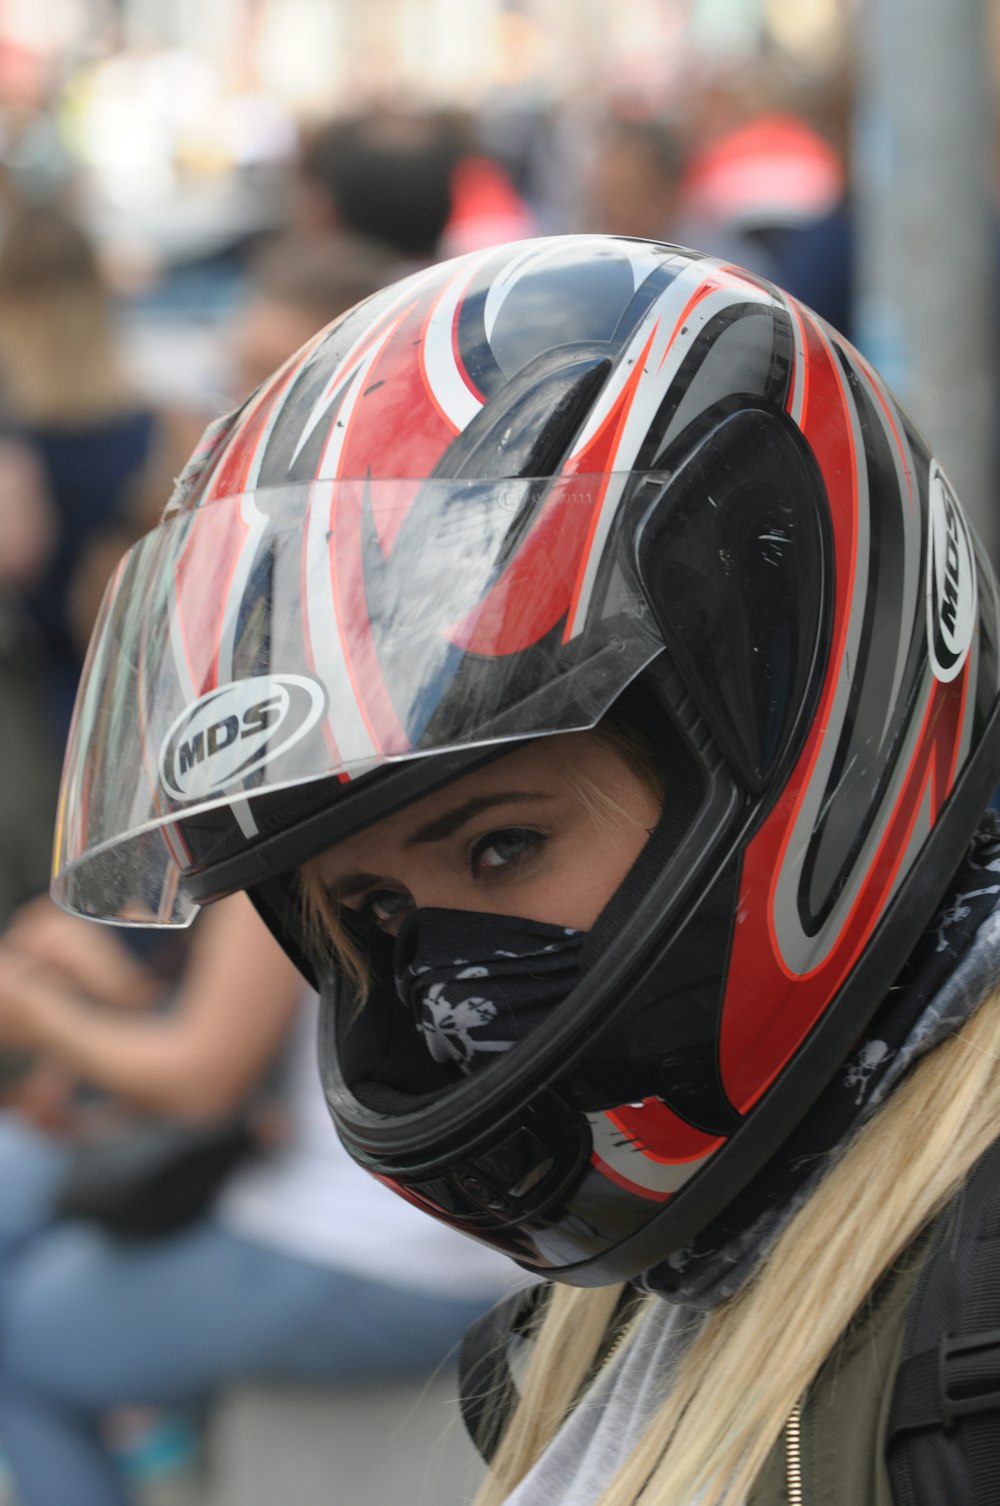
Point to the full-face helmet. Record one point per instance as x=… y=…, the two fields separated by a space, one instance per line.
x=505 y=499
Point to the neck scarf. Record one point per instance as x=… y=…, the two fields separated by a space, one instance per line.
x=477 y=984
x=950 y=971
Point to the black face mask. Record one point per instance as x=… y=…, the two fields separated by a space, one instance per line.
x=475 y=985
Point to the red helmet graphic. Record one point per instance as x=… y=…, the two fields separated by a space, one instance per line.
x=500 y=501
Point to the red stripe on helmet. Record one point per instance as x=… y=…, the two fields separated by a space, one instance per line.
x=397 y=429
x=418 y=1199
x=659 y=1134
x=230 y=475
x=534 y=593
x=203 y=576
x=766 y=1019
x=402 y=432
x=543 y=582
x=770 y=1013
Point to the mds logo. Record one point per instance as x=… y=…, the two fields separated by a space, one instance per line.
x=952 y=586
x=226 y=734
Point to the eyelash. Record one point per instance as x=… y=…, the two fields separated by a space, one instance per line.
x=532 y=840
x=368 y=908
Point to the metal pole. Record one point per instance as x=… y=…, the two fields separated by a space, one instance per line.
x=927 y=243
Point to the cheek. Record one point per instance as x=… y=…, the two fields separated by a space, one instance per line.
x=617 y=857
x=576 y=888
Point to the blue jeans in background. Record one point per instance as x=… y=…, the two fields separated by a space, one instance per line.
x=88 y=1323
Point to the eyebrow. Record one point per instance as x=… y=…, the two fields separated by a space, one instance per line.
x=438 y=830
x=447 y=824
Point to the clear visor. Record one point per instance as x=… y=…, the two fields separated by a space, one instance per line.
x=271 y=639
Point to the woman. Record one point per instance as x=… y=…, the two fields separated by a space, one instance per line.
x=592 y=678
x=70 y=399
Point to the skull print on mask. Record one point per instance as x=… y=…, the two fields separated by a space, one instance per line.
x=475 y=985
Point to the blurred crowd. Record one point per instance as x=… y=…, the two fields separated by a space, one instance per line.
x=118 y=343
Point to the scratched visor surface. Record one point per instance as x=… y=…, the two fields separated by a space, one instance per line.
x=264 y=641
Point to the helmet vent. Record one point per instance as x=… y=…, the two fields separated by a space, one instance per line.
x=734 y=560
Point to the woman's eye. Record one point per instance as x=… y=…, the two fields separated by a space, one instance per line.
x=499 y=850
x=386 y=905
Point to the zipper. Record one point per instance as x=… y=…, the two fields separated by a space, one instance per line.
x=613 y=1347
x=793 y=1456
x=621 y=1320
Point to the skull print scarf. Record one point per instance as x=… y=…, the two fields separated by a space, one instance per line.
x=477 y=984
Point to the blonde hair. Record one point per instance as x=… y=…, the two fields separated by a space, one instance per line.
x=726 y=1411
x=326 y=931
x=60 y=362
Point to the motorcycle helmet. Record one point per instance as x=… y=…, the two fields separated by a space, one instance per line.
x=507 y=498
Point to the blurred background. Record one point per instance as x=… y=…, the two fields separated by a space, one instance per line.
x=178 y=128
x=188 y=190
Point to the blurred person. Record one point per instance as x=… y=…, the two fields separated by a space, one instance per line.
x=817 y=262
x=769 y=170
x=635 y=187
x=294 y=288
x=28 y=759
x=384 y=176
x=487 y=206
x=418 y=184
x=69 y=398
x=35 y=159
x=302 y=1269
x=487 y=210
x=75 y=438
x=35 y=163
x=27 y=516
x=777 y=181
x=29 y=767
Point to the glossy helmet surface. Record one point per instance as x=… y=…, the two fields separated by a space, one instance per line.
x=493 y=503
